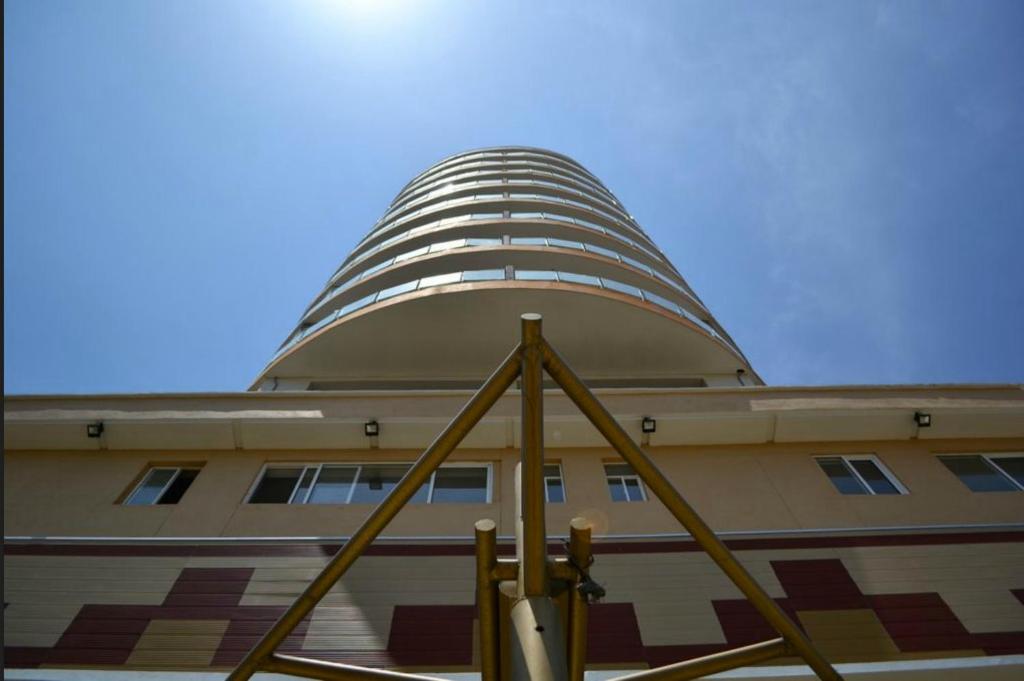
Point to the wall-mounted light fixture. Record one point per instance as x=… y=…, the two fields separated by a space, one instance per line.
x=94 y=429
x=648 y=425
x=739 y=376
x=371 y=429
x=922 y=419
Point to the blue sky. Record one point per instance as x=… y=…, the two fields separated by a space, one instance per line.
x=842 y=183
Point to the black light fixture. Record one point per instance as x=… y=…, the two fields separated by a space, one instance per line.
x=648 y=425
x=922 y=419
x=739 y=376
x=94 y=429
x=371 y=428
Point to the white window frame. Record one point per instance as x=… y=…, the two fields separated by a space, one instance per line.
x=358 y=465
x=847 y=458
x=561 y=481
x=622 y=481
x=462 y=464
x=989 y=459
x=163 y=490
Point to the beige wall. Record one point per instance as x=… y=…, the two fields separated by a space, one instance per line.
x=736 y=488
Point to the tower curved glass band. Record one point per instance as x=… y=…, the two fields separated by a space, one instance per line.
x=432 y=295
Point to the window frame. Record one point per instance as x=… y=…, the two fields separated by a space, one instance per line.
x=358 y=465
x=622 y=479
x=125 y=501
x=901 y=489
x=987 y=457
x=561 y=482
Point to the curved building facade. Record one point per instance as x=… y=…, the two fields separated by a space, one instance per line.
x=431 y=297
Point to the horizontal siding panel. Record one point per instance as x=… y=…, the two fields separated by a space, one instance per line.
x=88 y=586
x=68 y=597
x=21 y=638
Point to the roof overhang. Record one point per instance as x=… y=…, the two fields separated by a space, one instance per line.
x=463 y=331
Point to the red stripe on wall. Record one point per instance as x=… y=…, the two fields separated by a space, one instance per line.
x=600 y=546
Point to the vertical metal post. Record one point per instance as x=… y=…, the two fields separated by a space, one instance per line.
x=579 y=553
x=534 y=567
x=487 y=598
x=536 y=642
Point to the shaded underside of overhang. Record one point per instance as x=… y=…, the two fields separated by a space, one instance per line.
x=463 y=332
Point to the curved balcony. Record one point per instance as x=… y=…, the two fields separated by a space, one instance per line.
x=506 y=182
x=438 y=235
x=502 y=155
x=478 y=239
x=480 y=167
x=509 y=245
x=578 y=320
x=496 y=206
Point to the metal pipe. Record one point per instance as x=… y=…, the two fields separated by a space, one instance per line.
x=684 y=513
x=559 y=570
x=487 y=598
x=534 y=566
x=333 y=671
x=537 y=643
x=410 y=483
x=712 y=664
x=505 y=571
x=579 y=553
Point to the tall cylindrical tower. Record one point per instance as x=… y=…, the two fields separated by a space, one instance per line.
x=431 y=297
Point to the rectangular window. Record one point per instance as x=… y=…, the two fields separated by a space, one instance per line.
x=987 y=472
x=163 y=485
x=623 y=483
x=554 y=489
x=460 y=485
x=368 y=484
x=862 y=474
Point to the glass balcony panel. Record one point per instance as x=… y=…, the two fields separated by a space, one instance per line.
x=562 y=243
x=398 y=290
x=636 y=263
x=447 y=245
x=608 y=253
x=573 y=278
x=441 y=279
x=613 y=285
x=663 y=302
x=483 y=275
x=536 y=275
x=411 y=254
x=357 y=305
